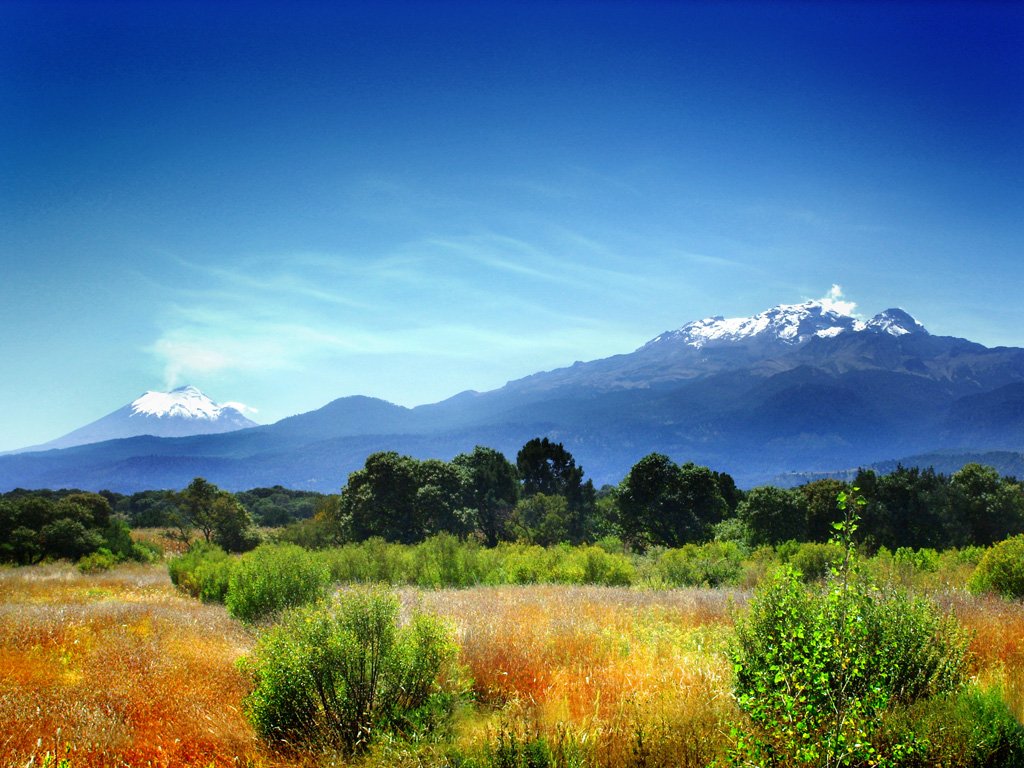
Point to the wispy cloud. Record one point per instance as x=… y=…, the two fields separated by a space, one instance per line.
x=440 y=298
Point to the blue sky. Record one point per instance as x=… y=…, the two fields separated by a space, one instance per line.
x=285 y=203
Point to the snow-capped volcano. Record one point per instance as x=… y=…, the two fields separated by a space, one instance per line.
x=790 y=324
x=182 y=412
x=184 y=402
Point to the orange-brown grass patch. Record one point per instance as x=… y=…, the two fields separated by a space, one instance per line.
x=168 y=539
x=997 y=645
x=626 y=677
x=118 y=669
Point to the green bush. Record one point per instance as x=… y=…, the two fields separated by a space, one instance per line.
x=969 y=728
x=182 y=569
x=815 y=561
x=818 y=670
x=273 y=577
x=336 y=676
x=212 y=578
x=693 y=565
x=444 y=561
x=599 y=566
x=1001 y=570
x=118 y=538
x=372 y=561
x=925 y=560
x=821 y=673
x=97 y=562
x=521 y=563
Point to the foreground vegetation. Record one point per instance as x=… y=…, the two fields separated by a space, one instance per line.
x=483 y=614
x=121 y=668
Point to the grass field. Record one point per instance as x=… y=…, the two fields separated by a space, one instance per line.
x=118 y=669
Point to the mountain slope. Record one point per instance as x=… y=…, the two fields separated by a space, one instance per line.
x=798 y=388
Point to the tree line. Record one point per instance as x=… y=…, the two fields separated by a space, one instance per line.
x=541 y=498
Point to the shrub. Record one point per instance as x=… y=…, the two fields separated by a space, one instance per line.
x=373 y=560
x=273 y=577
x=522 y=563
x=816 y=561
x=972 y=728
x=601 y=567
x=212 y=577
x=712 y=564
x=444 y=561
x=182 y=569
x=335 y=676
x=819 y=670
x=97 y=562
x=1001 y=570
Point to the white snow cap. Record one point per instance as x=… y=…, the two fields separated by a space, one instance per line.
x=793 y=324
x=184 y=402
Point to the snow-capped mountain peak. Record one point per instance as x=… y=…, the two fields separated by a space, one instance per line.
x=787 y=323
x=894 y=322
x=186 y=402
x=791 y=325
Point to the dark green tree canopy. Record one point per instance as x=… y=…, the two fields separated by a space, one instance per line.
x=542 y=519
x=663 y=504
x=546 y=467
x=993 y=507
x=381 y=499
x=490 y=492
x=217 y=514
x=773 y=515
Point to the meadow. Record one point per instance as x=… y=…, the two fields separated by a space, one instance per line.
x=119 y=668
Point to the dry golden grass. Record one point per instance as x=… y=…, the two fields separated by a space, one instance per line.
x=628 y=677
x=124 y=671
x=119 y=669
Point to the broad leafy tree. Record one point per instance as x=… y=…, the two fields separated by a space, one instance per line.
x=380 y=499
x=822 y=511
x=217 y=514
x=663 y=504
x=439 y=497
x=541 y=519
x=490 y=491
x=992 y=508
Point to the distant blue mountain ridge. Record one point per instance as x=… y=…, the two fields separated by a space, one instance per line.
x=795 y=391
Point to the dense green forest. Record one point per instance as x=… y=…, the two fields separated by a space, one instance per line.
x=540 y=499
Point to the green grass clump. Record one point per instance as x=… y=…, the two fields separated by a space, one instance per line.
x=274 y=577
x=1001 y=570
x=338 y=676
x=188 y=570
